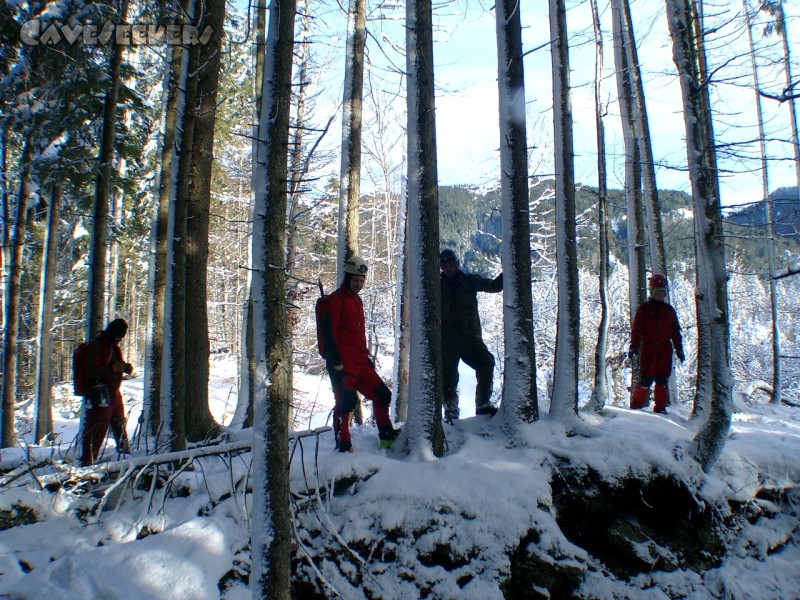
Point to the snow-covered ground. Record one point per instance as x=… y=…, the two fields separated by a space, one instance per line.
x=152 y=544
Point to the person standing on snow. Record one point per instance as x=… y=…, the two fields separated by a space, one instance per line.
x=462 y=336
x=355 y=372
x=105 y=367
x=654 y=334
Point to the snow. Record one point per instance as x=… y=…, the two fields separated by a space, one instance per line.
x=483 y=493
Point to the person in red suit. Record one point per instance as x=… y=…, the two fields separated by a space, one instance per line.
x=357 y=370
x=655 y=333
x=104 y=407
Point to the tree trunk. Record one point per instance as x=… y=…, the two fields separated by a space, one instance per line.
x=271 y=531
x=564 y=404
x=633 y=174
x=520 y=403
x=600 y=391
x=198 y=421
x=424 y=425
x=174 y=363
x=12 y=307
x=658 y=262
x=158 y=246
x=712 y=286
x=773 y=296
x=97 y=263
x=402 y=320
x=350 y=175
x=44 y=361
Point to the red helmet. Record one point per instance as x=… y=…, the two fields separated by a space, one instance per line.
x=657 y=280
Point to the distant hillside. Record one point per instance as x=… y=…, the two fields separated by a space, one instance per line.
x=471 y=224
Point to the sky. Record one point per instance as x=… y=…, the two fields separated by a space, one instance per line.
x=467 y=117
x=200 y=537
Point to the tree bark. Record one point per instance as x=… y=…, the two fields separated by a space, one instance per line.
x=564 y=404
x=12 y=307
x=271 y=524
x=99 y=251
x=198 y=421
x=600 y=391
x=520 y=402
x=44 y=360
x=424 y=425
x=712 y=286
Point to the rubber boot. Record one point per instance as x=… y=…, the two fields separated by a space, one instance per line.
x=483 y=394
x=343 y=442
x=387 y=435
x=660 y=397
x=450 y=401
x=639 y=397
x=120 y=436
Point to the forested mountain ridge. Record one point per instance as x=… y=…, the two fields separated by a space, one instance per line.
x=471 y=224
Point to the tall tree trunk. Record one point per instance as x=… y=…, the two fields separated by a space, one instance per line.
x=637 y=290
x=520 y=402
x=350 y=175
x=773 y=296
x=5 y=218
x=712 y=287
x=652 y=207
x=10 y=346
x=158 y=246
x=780 y=18
x=198 y=421
x=244 y=408
x=271 y=531
x=600 y=391
x=402 y=319
x=424 y=425
x=44 y=360
x=174 y=363
x=97 y=269
x=564 y=404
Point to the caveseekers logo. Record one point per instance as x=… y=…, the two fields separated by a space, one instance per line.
x=52 y=33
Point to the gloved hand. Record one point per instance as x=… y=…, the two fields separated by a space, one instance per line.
x=128 y=368
x=338 y=367
x=680 y=355
x=632 y=354
x=118 y=367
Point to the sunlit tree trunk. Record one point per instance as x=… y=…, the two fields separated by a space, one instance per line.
x=425 y=434
x=271 y=530
x=44 y=359
x=564 y=404
x=520 y=402
x=12 y=306
x=199 y=423
x=712 y=286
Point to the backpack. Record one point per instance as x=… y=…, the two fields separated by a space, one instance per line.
x=80 y=374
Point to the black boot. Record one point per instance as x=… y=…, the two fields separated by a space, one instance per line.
x=387 y=435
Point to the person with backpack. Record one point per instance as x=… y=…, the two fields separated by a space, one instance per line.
x=348 y=361
x=102 y=367
x=655 y=333
x=462 y=337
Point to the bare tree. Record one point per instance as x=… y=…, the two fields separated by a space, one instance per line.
x=776 y=336
x=520 y=402
x=271 y=532
x=564 y=403
x=712 y=290
x=600 y=390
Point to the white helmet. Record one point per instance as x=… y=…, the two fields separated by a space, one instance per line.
x=355 y=265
